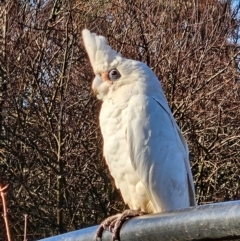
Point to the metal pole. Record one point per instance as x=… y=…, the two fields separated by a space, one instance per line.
x=219 y=221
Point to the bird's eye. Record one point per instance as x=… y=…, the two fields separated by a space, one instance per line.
x=114 y=74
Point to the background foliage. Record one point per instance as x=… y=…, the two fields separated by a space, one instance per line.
x=50 y=143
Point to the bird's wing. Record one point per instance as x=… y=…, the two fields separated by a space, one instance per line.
x=159 y=153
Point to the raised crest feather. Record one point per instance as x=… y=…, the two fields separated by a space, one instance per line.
x=101 y=55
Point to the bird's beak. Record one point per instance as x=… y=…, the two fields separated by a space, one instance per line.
x=96 y=83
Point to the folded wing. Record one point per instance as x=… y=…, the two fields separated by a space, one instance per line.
x=159 y=153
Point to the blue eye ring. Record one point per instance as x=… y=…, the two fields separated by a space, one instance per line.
x=114 y=74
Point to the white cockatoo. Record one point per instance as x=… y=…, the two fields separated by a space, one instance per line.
x=143 y=146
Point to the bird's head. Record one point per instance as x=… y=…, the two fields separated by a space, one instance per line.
x=114 y=72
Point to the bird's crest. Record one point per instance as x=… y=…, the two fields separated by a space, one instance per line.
x=101 y=55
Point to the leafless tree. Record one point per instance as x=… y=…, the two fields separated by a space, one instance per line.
x=50 y=144
x=50 y=141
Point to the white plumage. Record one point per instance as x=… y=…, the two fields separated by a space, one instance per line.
x=143 y=146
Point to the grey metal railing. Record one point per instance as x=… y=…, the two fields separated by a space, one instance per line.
x=219 y=221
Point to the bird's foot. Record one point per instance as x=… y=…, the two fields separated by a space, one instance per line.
x=115 y=222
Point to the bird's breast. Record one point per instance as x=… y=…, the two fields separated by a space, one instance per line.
x=113 y=123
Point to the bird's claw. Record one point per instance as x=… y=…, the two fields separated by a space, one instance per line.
x=114 y=223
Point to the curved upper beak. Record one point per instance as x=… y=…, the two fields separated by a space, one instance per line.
x=96 y=82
